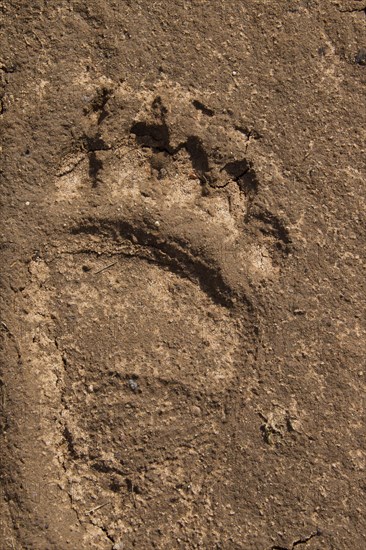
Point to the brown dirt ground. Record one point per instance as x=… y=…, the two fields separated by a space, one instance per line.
x=183 y=283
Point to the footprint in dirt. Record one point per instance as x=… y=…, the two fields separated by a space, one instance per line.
x=149 y=338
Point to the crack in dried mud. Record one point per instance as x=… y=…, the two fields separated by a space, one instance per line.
x=302 y=540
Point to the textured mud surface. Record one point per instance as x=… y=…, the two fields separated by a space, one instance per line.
x=183 y=290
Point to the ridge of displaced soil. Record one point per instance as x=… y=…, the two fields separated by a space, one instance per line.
x=183 y=291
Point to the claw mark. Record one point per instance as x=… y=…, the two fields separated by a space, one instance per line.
x=201 y=107
x=100 y=102
x=92 y=145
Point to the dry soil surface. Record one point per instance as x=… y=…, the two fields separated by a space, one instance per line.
x=183 y=274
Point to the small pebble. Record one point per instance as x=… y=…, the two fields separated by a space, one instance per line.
x=234 y=73
x=133 y=385
x=196 y=410
x=157 y=224
x=27 y=203
x=360 y=57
